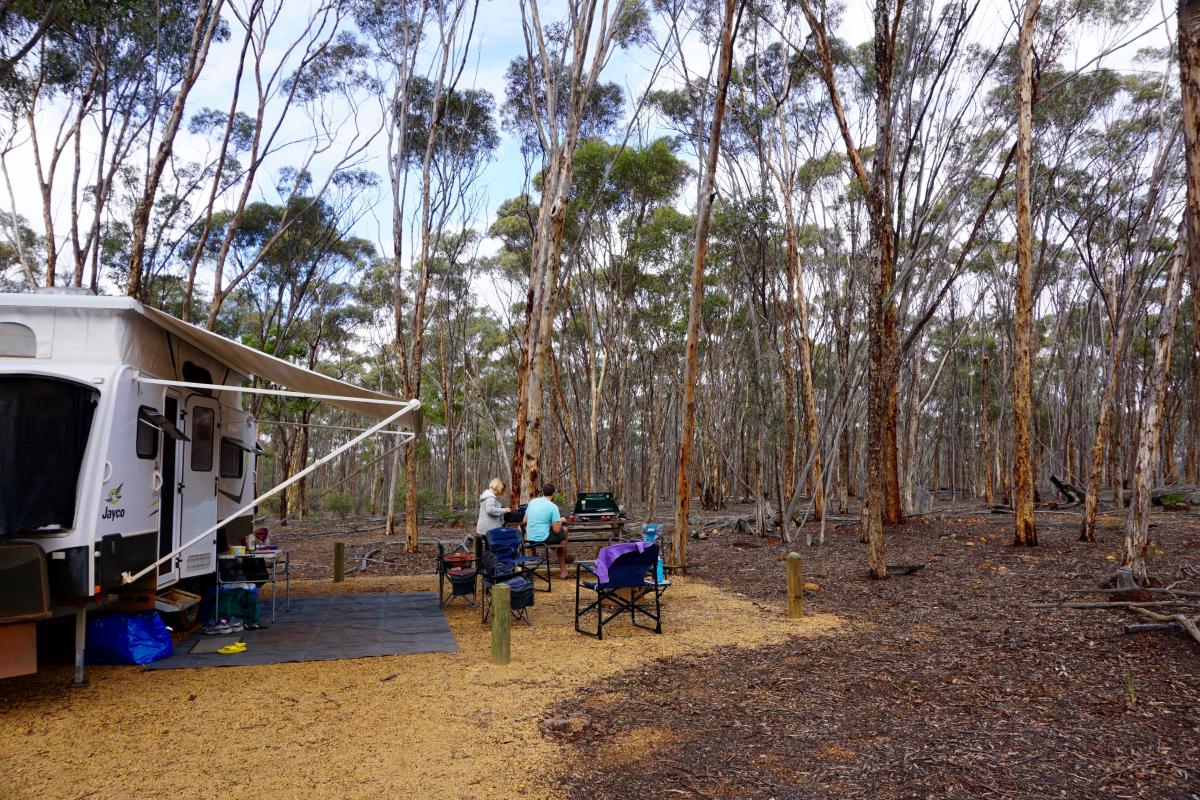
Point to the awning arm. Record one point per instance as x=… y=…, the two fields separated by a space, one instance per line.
x=256 y=390
x=409 y=406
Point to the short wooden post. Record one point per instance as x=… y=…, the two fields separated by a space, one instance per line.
x=339 y=562
x=501 y=623
x=795 y=585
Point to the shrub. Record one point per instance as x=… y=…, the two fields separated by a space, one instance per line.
x=339 y=503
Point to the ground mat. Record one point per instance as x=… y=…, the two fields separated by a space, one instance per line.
x=325 y=628
x=210 y=644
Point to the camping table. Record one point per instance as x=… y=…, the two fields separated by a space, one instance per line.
x=269 y=557
x=591 y=532
x=607 y=532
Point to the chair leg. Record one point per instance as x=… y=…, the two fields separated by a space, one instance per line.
x=577 y=604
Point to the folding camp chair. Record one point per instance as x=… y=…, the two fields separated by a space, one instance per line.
x=631 y=582
x=454 y=569
x=537 y=555
x=502 y=562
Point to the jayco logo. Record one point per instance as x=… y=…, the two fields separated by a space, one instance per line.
x=114 y=497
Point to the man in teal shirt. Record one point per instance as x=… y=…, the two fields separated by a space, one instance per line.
x=544 y=524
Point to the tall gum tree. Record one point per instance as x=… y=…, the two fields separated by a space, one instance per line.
x=877 y=184
x=683 y=481
x=1025 y=534
x=563 y=65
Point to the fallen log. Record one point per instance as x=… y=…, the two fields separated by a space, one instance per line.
x=1073 y=494
x=1147 y=627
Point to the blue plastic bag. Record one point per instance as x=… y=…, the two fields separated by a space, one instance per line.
x=138 y=638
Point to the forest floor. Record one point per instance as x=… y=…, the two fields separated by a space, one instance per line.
x=947 y=683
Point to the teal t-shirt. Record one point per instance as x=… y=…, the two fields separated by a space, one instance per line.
x=539 y=516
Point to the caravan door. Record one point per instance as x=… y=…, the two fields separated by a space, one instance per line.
x=198 y=486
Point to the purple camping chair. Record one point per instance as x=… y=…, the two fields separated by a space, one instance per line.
x=626 y=586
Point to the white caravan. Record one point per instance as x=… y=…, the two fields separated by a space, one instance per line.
x=125 y=453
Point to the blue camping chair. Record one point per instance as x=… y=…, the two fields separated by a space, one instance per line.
x=460 y=578
x=502 y=562
x=632 y=581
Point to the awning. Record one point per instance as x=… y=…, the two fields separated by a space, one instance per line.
x=249 y=361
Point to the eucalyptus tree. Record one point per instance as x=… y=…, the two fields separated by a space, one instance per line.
x=444 y=135
x=616 y=194
x=1188 y=21
x=315 y=71
x=554 y=98
x=292 y=304
x=1187 y=254
x=1127 y=180
x=920 y=110
x=89 y=87
x=708 y=181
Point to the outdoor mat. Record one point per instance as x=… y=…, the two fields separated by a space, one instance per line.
x=325 y=628
x=211 y=644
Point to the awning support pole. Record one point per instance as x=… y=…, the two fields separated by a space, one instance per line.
x=410 y=406
x=80 y=645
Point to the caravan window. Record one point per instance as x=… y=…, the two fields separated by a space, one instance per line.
x=231 y=458
x=204 y=421
x=146 y=441
x=44 y=428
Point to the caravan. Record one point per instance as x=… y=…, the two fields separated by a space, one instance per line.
x=126 y=452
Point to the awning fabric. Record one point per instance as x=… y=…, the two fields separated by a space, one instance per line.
x=249 y=361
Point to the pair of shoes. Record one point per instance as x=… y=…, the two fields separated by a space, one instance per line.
x=218 y=628
x=230 y=649
x=236 y=627
x=254 y=626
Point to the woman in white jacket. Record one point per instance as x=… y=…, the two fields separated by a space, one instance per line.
x=491 y=513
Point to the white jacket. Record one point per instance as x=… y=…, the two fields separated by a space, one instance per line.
x=491 y=513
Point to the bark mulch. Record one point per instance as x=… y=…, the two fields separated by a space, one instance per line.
x=948 y=683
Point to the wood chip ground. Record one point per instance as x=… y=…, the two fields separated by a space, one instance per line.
x=416 y=726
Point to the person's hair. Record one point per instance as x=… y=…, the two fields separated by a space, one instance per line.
x=497 y=486
x=548 y=489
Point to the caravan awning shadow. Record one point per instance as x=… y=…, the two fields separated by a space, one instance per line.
x=326 y=628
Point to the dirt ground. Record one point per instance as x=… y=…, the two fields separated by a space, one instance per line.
x=947 y=683
x=411 y=726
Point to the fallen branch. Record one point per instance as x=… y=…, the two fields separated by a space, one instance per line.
x=1115 y=604
x=362 y=565
x=1185 y=622
x=1118 y=590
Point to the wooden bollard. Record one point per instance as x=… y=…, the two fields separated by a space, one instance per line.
x=339 y=562
x=501 y=623
x=795 y=585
